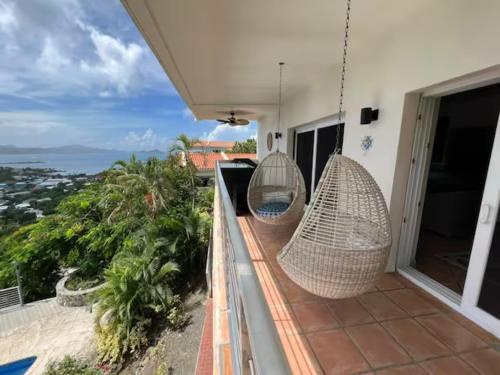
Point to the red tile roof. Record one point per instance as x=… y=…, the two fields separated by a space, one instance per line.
x=205 y=161
x=241 y=156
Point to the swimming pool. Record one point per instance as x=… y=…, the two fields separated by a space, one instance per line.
x=17 y=367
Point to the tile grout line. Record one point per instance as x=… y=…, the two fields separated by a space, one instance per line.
x=279 y=285
x=304 y=334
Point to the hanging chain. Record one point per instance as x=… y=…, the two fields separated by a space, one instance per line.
x=342 y=78
x=278 y=135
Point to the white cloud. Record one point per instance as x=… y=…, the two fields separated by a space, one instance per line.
x=56 y=48
x=118 y=63
x=7 y=19
x=51 y=58
x=225 y=132
x=147 y=141
x=29 y=123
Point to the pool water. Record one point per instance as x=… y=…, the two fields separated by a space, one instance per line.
x=18 y=367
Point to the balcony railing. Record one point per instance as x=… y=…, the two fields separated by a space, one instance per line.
x=255 y=343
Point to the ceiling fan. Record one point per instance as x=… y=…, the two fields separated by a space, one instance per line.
x=233 y=121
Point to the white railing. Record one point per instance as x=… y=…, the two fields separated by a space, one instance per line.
x=255 y=344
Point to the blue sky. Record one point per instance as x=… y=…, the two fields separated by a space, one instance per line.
x=79 y=72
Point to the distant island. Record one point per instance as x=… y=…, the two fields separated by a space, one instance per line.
x=71 y=149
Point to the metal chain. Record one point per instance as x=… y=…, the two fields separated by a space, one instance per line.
x=342 y=78
x=279 y=106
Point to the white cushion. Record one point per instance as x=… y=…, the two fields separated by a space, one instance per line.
x=277 y=196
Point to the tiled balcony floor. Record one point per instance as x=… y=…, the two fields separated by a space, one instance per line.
x=396 y=328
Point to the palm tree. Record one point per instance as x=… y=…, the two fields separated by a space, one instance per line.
x=182 y=145
x=137 y=286
x=128 y=181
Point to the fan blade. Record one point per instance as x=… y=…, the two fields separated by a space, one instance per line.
x=223 y=121
x=242 y=121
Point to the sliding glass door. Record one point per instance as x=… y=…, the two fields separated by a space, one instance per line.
x=313 y=147
x=304 y=158
x=482 y=287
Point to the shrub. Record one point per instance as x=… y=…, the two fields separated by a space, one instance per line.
x=137 y=288
x=113 y=343
x=71 y=366
x=177 y=318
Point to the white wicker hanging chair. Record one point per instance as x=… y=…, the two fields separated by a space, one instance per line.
x=342 y=243
x=277 y=192
x=341 y=246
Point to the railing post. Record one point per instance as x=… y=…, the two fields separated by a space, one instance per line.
x=208 y=268
x=19 y=287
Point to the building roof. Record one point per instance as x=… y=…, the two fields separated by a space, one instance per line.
x=240 y=156
x=23 y=205
x=205 y=161
x=221 y=144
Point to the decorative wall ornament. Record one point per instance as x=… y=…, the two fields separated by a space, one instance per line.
x=269 y=141
x=366 y=143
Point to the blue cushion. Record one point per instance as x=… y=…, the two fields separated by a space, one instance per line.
x=272 y=209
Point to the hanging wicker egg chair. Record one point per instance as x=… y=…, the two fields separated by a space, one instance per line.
x=277 y=192
x=341 y=246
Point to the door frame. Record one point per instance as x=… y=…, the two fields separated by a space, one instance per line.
x=314 y=126
x=423 y=143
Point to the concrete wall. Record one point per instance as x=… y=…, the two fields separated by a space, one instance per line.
x=446 y=40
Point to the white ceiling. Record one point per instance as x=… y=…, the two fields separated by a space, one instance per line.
x=224 y=54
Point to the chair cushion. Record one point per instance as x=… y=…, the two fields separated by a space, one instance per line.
x=271 y=209
x=277 y=196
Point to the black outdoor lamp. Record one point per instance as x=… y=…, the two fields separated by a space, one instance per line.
x=368 y=115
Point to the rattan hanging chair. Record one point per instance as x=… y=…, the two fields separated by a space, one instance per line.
x=341 y=246
x=277 y=192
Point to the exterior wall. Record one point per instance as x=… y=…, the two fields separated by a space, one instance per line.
x=445 y=40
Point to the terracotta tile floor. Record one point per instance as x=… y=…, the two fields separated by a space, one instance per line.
x=396 y=328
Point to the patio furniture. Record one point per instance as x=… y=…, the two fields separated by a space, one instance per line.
x=341 y=246
x=277 y=192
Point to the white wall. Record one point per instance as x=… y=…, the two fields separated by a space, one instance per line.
x=445 y=40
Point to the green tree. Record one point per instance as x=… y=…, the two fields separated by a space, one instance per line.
x=180 y=150
x=246 y=147
x=36 y=248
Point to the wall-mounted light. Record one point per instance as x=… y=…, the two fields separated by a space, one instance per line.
x=368 y=115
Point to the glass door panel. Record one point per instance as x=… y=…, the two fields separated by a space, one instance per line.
x=481 y=298
x=327 y=138
x=304 y=158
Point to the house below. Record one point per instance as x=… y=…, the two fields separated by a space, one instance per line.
x=205 y=162
x=212 y=146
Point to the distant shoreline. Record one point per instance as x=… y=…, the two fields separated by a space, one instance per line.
x=21 y=162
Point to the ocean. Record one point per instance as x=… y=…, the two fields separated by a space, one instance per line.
x=88 y=163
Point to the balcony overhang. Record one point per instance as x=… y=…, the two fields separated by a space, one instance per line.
x=222 y=55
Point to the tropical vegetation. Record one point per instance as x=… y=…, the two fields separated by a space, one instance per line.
x=144 y=231
x=245 y=147
x=72 y=366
